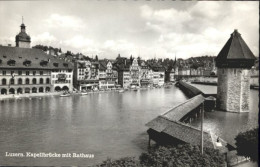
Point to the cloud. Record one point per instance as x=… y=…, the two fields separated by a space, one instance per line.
x=202 y=28
x=45 y=38
x=119 y=45
x=79 y=41
x=60 y=21
x=143 y=28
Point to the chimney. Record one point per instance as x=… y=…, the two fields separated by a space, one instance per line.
x=51 y=52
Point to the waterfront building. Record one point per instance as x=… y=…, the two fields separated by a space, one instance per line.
x=62 y=77
x=27 y=70
x=135 y=73
x=234 y=62
x=172 y=74
x=86 y=76
x=122 y=65
x=158 y=74
x=107 y=75
x=193 y=72
x=145 y=75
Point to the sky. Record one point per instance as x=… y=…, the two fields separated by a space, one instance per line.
x=149 y=29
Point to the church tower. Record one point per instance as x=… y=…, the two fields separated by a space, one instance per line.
x=23 y=40
x=234 y=63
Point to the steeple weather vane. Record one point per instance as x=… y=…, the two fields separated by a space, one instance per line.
x=22 y=19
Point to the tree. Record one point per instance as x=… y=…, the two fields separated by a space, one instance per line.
x=139 y=59
x=131 y=59
x=247 y=144
x=118 y=56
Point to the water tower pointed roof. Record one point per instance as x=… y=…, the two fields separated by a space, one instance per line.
x=235 y=53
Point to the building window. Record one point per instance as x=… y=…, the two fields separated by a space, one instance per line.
x=12 y=72
x=11 y=81
x=27 y=63
x=41 y=72
x=27 y=81
x=47 y=80
x=34 y=72
x=34 y=81
x=55 y=64
x=20 y=81
x=11 y=62
x=4 y=72
x=41 y=81
x=4 y=81
x=20 y=72
x=27 y=72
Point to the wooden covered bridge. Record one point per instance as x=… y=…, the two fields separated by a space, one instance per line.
x=170 y=127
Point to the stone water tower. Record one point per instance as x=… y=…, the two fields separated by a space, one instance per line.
x=234 y=63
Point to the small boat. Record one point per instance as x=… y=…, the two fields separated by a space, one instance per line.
x=135 y=89
x=65 y=95
x=17 y=96
x=83 y=93
x=121 y=91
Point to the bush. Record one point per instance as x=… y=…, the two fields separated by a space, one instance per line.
x=170 y=156
x=123 y=162
x=247 y=144
x=182 y=155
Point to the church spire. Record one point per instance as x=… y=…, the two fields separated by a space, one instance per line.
x=22 y=26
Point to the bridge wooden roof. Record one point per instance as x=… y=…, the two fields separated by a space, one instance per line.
x=180 y=131
x=178 y=112
x=169 y=123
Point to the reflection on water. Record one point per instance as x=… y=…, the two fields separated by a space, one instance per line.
x=106 y=125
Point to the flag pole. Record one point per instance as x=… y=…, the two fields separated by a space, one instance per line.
x=202 y=119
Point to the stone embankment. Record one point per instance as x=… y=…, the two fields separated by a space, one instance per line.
x=29 y=95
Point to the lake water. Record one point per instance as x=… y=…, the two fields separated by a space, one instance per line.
x=109 y=124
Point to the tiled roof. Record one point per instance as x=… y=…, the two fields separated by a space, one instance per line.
x=122 y=64
x=235 y=48
x=23 y=36
x=178 y=112
x=36 y=57
x=102 y=65
x=180 y=131
x=157 y=68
